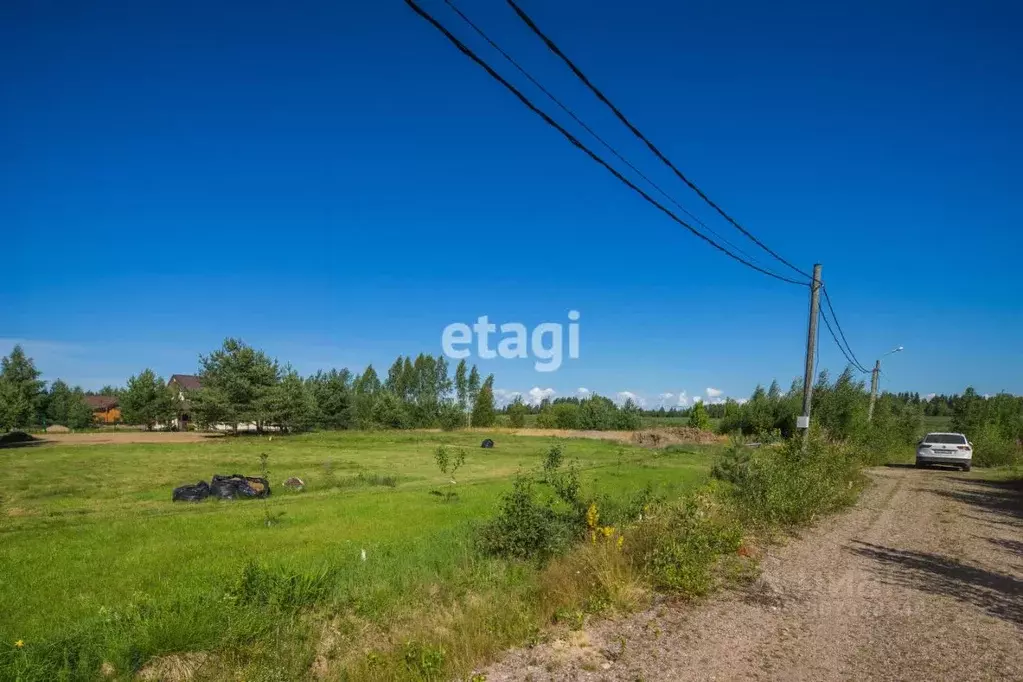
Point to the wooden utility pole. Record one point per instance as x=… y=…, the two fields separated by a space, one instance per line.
x=811 y=350
x=873 y=390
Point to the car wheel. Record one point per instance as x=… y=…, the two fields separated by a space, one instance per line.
x=967 y=467
x=919 y=464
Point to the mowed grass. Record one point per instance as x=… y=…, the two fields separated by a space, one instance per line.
x=87 y=531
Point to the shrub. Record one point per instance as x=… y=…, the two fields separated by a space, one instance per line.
x=546 y=419
x=734 y=463
x=447 y=463
x=390 y=412
x=990 y=449
x=698 y=417
x=451 y=417
x=566 y=415
x=526 y=527
x=684 y=562
x=794 y=485
x=517 y=412
x=679 y=545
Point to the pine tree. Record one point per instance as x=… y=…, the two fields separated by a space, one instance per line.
x=58 y=403
x=236 y=383
x=291 y=404
x=483 y=412
x=147 y=401
x=698 y=417
x=21 y=391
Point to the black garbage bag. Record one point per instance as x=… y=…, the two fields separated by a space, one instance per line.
x=192 y=493
x=487 y=444
x=235 y=486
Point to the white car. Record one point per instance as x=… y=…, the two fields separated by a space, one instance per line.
x=945 y=448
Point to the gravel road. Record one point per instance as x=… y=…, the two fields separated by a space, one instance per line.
x=922 y=580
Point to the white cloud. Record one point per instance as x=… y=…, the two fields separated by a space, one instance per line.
x=929 y=396
x=622 y=396
x=503 y=396
x=537 y=395
x=583 y=392
x=697 y=399
x=714 y=392
x=668 y=400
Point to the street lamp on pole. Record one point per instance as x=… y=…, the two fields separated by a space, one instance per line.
x=873 y=382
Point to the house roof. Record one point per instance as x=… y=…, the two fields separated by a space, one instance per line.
x=100 y=402
x=187 y=382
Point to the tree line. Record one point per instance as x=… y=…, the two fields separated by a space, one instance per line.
x=243 y=385
x=592 y=413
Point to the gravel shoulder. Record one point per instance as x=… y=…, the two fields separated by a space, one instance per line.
x=921 y=580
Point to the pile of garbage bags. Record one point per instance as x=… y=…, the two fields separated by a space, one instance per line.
x=230 y=487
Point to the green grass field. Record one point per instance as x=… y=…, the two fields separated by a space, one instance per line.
x=95 y=558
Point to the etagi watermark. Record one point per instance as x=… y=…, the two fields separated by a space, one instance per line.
x=549 y=355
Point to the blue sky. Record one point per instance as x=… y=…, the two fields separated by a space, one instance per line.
x=334 y=183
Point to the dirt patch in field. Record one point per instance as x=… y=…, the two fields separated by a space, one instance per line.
x=130 y=437
x=675 y=435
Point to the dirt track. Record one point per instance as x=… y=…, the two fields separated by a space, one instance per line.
x=922 y=580
x=127 y=437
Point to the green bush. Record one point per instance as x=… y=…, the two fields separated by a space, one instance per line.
x=527 y=527
x=546 y=419
x=733 y=464
x=698 y=417
x=991 y=449
x=688 y=543
x=451 y=417
x=793 y=485
x=566 y=415
x=517 y=412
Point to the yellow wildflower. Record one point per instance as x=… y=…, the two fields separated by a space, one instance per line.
x=592 y=516
x=20 y=643
x=621 y=541
x=608 y=531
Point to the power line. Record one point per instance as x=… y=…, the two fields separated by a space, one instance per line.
x=575 y=141
x=827 y=301
x=832 y=332
x=590 y=130
x=635 y=131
